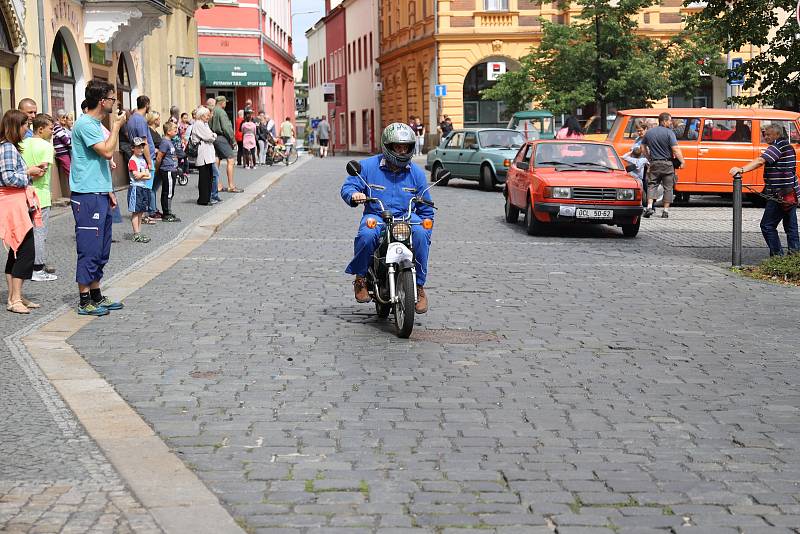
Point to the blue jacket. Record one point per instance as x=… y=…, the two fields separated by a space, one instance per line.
x=395 y=189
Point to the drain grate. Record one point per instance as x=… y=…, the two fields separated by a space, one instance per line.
x=205 y=374
x=453 y=335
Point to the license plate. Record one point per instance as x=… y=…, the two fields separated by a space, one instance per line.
x=582 y=213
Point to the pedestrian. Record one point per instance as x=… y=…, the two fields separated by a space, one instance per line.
x=287 y=131
x=639 y=163
x=262 y=138
x=640 y=128
x=167 y=166
x=62 y=142
x=238 y=136
x=206 y=156
x=780 y=181
x=419 y=129
x=138 y=192
x=174 y=115
x=271 y=127
x=154 y=125
x=93 y=194
x=38 y=151
x=30 y=109
x=571 y=130
x=324 y=136
x=183 y=125
x=249 y=140
x=660 y=147
x=19 y=210
x=225 y=145
x=137 y=126
x=211 y=104
x=69 y=122
x=446 y=126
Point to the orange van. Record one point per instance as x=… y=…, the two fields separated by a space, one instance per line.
x=712 y=141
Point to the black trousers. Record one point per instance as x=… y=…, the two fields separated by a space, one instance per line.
x=204 y=184
x=21 y=264
x=167 y=190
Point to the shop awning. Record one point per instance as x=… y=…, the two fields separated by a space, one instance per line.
x=234 y=72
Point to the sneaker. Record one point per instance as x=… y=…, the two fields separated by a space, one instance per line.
x=43 y=276
x=648 y=212
x=140 y=238
x=92 y=309
x=109 y=304
x=665 y=215
x=157 y=215
x=170 y=218
x=49 y=269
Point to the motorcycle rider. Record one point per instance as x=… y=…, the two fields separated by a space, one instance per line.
x=394 y=179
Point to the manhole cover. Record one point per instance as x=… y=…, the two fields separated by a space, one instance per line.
x=205 y=374
x=451 y=335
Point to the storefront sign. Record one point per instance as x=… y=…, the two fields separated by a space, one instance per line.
x=97 y=53
x=66 y=13
x=494 y=69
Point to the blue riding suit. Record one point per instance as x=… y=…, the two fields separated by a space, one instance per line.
x=395 y=190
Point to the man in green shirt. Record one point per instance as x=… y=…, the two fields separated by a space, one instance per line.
x=37 y=150
x=287 y=131
x=225 y=145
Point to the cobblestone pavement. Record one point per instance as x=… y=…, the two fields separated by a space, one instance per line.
x=52 y=475
x=578 y=382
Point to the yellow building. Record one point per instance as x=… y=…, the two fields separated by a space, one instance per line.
x=464 y=44
x=133 y=45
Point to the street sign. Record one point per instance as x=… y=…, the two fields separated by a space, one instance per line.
x=439 y=90
x=736 y=63
x=184 y=66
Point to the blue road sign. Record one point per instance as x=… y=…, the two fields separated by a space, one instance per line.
x=736 y=62
x=440 y=90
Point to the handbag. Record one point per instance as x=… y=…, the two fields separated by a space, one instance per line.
x=191 y=148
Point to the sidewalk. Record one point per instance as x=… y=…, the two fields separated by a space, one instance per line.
x=52 y=476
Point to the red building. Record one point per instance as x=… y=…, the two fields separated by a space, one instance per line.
x=245 y=51
x=336 y=65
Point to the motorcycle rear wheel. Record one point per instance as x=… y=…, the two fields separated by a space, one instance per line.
x=404 y=307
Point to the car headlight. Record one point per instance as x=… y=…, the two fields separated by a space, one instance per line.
x=401 y=232
x=558 y=192
x=626 y=194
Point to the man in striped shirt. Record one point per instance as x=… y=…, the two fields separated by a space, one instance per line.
x=780 y=180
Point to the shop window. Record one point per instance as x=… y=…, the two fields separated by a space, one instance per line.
x=62 y=77
x=123 y=84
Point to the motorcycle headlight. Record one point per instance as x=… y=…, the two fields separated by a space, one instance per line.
x=558 y=192
x=626 y=194
x=401 y=232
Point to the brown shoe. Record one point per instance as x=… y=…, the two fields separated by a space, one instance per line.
x=360 y=288
x=422 y=301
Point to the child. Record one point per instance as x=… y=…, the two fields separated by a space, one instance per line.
x=38 y=151
x=634 y=157
x=138 y=193
x=249 y=141
x=167 y=166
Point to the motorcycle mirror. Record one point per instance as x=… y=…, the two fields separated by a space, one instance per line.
x=353 y=168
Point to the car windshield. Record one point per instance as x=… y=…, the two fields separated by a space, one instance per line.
x=501 y=139
x=586 y=156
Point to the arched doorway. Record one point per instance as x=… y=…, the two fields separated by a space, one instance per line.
x=7 y=61
x=479 y=112
x=125 y=84
x=66 y=75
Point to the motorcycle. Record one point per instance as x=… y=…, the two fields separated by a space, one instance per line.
x=392 y=277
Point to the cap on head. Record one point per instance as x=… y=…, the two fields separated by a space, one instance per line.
x=138 y=141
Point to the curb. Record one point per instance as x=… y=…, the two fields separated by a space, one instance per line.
x=175 y=497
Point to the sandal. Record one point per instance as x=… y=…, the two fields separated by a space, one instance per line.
x=235 y=190
x=17 y=307
x=148 y=220
x=29 y=304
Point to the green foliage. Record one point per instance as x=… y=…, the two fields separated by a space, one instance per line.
x=786 y=268
x=769 y=24
x=601 y=55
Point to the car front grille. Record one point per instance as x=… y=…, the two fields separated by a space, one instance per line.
x=593 y=193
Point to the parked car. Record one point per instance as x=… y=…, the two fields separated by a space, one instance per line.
x=573 y=182
x=712 y=141
x=482 y=154
x=534 y=124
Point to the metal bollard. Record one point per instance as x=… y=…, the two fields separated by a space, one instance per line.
x=736 y=241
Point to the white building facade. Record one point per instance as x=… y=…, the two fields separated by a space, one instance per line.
x=363 y=91
x=317 y=107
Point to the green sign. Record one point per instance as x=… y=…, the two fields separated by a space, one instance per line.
x=97 y=53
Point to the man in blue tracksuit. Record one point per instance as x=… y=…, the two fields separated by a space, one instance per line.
x=394 y=179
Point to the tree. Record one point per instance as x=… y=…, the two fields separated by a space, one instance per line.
x=768 y=24
x=600 y=58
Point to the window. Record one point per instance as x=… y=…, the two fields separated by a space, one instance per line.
x=455 y=140
x=370 y=48
x=470 y=140
x=353 y=133
x=365 y=51
x=524 y=155
x=123 y=83
x=342 y=129
x=635 y=126
x=495 y=5
x=359 y=54
x=789 y=128
x=686 y=128
x=729 y=130
x=62 y=77
x=365 y=127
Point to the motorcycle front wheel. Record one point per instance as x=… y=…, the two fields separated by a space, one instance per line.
x=404 y=308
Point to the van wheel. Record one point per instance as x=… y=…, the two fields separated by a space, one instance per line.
x=487 y=178
x=682 y=199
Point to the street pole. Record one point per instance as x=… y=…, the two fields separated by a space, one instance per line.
x=600 y=104
x=736 y=241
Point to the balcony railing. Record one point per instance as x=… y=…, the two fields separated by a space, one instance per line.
x=495 y=19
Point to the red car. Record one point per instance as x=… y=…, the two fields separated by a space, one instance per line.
x=573 y=181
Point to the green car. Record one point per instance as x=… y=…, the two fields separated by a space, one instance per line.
x=482 y=154
x=535 y=124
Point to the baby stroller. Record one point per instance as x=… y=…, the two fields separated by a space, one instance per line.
x=182 y=177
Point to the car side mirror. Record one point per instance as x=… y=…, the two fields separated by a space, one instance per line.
x=353 y=168
x=522 y=165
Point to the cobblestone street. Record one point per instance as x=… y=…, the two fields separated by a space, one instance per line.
x=577 y=382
